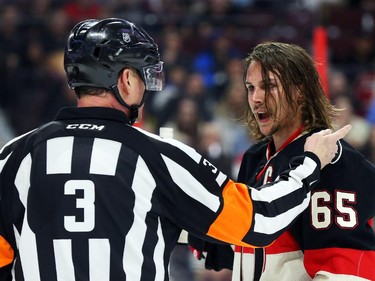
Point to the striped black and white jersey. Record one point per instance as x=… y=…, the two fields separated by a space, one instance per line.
x=88 y=197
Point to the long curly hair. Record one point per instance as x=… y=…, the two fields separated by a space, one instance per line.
x=297 y=73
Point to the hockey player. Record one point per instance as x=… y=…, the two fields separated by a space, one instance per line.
x=90 y=197
x=333 y=239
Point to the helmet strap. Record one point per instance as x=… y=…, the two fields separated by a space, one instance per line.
x=134 y=109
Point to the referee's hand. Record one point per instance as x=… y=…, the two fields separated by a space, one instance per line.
x=324 y=144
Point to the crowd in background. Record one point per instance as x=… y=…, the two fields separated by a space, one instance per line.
x=202 y=44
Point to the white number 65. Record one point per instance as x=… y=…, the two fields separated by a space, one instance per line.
x=343 y=215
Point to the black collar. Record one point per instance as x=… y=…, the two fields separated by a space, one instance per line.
x=103 y=113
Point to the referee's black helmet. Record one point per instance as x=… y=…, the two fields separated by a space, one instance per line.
x=98 y=50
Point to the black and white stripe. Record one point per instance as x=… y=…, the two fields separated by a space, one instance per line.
x=109 y=204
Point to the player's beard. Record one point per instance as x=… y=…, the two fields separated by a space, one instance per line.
x=275 y=126
x=273 y=130
x=283 y=124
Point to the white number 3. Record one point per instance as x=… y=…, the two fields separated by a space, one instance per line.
x=322 y=215
x=86 y=203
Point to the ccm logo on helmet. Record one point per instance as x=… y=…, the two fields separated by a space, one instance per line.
x=85 y=127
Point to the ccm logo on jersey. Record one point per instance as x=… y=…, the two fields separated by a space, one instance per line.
x=85 y=127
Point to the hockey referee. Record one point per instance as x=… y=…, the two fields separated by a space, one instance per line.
x=90 y=197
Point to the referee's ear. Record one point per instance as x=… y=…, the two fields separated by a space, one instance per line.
x=123 y=82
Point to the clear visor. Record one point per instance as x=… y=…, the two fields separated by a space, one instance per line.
x=153 y=76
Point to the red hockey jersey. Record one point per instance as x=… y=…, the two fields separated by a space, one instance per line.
x=331 y=240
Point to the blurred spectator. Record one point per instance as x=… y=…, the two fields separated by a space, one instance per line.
x=363 y=90
x=234 y=71
x=369 y=148
x=212 y=62
x=210 y=145
x=360 y=132
x=57 y=93
x=55 y=31
x=162 y=106
x=27 y=83
x=220 y=12
x=186 y=122
x=196 y=89
x=243 y=3
x=316 y=5
x=228 y=113
x=35 y=13
x=176 y=69
x=79 y=10
x=368 y=5
x=133 y=10
x=42 y=89
x=338 y=84
x=363 y=52
x=366 y=87
x=172 y=49
x=11 y=47
x=371 y=112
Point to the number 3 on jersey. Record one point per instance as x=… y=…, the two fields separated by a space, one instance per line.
x=322 y=215
x=86 y=203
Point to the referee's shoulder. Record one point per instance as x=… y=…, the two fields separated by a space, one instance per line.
x=26 y=140
x=166 y=145
x=14 y=143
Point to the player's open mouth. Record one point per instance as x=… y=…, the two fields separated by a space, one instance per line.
x=263 y=116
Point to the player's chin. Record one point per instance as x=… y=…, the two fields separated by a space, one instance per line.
x=267 y=129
